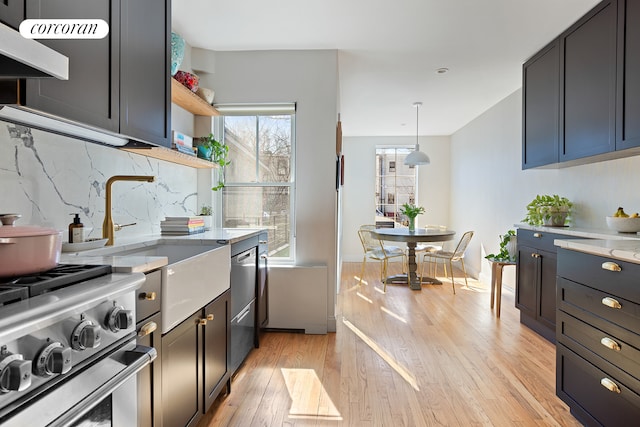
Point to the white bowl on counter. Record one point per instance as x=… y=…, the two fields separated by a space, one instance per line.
x=623 y=225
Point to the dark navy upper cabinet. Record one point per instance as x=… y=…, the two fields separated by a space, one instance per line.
x=628 y=93
x=119 y=83
x=588 y=84
x=12 y=12
x=540 y=107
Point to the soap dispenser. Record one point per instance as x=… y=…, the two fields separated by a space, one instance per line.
x=76 y=230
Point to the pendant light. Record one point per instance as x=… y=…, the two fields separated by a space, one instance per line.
x=417 y=157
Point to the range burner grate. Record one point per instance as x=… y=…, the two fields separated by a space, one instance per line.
x=9 y=294
x=59 y=277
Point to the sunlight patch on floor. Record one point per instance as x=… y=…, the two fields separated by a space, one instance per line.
x=369 y=300
x=392 y=314
x=309 y=399
x=401 y=370
x=357 y=279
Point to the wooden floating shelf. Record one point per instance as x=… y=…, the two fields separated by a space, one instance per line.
x=191 y=102
x=172 y=156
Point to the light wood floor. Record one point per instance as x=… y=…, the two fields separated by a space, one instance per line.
x=404 y=358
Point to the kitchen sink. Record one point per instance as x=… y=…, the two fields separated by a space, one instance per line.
x=195 y=275
x=175 y=252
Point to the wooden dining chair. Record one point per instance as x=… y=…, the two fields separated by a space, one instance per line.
x=375 y=249
x=449 y=256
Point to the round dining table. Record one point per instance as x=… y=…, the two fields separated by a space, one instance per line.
x=412 y=238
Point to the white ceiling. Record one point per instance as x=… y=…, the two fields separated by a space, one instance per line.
x=389 y=50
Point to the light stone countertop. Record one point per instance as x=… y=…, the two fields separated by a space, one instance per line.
x=604 y=242
x=135 y=264
x=623 y=250
x=590 y=233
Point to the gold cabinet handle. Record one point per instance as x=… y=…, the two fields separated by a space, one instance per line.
x=535 y=255
x=202 y=322
x=149 y=296
x=611 y=302
x=610 y=385
x=538 y=235
x=147 y=328
x=210 y=316
x=609 y=343
x=611 y=266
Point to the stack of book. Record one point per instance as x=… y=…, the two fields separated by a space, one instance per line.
x=181 y=225
x=182 y=143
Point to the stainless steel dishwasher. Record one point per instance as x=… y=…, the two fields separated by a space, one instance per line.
x=243 y=305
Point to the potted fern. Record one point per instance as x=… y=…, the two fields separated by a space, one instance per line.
x=411 y=211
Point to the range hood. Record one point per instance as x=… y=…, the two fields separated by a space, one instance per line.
x=47 y=122
x=27 y=58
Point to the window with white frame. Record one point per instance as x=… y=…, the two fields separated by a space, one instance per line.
x=259 y=181
x=395 y=185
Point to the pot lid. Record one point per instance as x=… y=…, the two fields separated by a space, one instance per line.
x=26 y=231
x=8 y=229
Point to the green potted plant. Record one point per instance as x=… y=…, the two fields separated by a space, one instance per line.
x=207 y=214
x=411 y=211
x=508 y=248
x=548 y=210
x=215 y=151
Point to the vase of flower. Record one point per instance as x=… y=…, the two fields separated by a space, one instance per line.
x=411 y=211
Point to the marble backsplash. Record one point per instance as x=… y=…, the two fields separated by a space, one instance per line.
x=47 y=177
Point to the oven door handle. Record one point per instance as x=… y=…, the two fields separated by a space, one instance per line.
x=135 y=359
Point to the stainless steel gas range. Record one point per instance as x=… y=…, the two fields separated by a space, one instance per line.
x=68 y=353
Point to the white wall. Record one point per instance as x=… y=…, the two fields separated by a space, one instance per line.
x=490 y=190
x=359 y=190
x=310 y=79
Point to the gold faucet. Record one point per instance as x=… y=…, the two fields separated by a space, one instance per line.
x=108 y=228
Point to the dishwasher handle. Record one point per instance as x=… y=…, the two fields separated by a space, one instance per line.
x=245 y=256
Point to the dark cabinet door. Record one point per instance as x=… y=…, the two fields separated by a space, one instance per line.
x=540 y=107
x=546 y=307
x=12 y=12
x=149 y=379
x=588 y=86
x=91 y=95
x=628 y=99
x=145 y=49
x=181 y=364
x=527 y=280
x=216 y=344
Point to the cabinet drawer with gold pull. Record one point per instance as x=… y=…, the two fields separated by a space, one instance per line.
x=540 y=240
x=613 y=317
x=615 y=277
x=609 y=397
x=605 y=342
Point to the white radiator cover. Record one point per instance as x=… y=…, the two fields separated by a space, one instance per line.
x=298 y=298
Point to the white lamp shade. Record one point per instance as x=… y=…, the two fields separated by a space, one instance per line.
x=417 y=157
